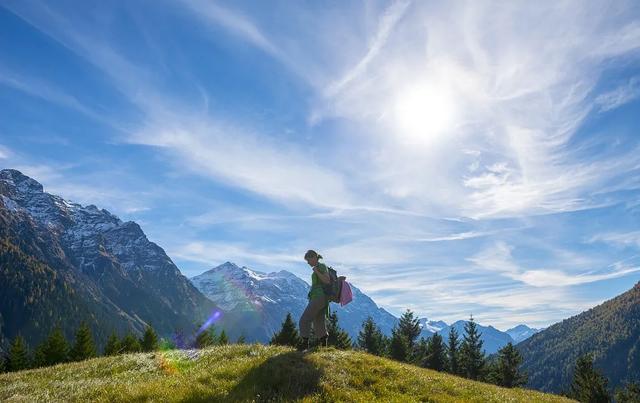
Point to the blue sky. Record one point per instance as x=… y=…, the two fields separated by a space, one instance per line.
x=453 y=158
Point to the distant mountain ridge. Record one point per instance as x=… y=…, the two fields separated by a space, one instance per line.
x=256 y=303
x=521 y=332
x=610 y=332
x=63 y=263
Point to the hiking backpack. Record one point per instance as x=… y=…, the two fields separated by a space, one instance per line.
x=332 y=290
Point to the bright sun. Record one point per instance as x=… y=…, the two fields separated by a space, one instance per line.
x=424 y=112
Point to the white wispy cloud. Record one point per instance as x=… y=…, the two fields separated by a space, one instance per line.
x=631 y=238
x=4 y=152
x=213 y=253
x=206 y=145
x=516 y=102
x=233 y=22
x=619 y=96
x=499 y=259
x=44 y=90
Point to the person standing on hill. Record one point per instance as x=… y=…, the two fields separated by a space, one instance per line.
x=317 y=309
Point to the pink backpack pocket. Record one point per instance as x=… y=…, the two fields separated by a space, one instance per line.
x=345 y=293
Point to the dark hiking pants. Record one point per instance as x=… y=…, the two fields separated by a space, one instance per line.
x=314 y=313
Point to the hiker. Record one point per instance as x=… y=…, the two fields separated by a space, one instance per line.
x=317 y=309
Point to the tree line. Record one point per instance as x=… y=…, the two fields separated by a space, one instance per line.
x=460 y=356
x=56 y=349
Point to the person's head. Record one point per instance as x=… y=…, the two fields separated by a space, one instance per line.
x=312 y=257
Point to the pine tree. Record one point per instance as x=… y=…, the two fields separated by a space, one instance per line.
x=472 y=359
x=206 y=338
x=399 y=347
x=453 y=352
x=130 y=343
x=588 y=384
x=370 y=338
x=420 y=351
x=39 y=359
x=18 y=358
x=113 y=345
x=409 y=327
x=149 y=341
x=84 y=346
x=241 y=339
x=629 y=394
x=223 y=339
x=505 y=370
x=288 y=335
x=337 y=336
x=436 y=353
x=55 y=349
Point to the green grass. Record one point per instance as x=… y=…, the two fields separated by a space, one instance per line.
x=250 y=373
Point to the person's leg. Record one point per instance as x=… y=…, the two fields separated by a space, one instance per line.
x=319 y=321
x=305 y=320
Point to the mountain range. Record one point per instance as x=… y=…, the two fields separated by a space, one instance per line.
x=62 y=263
x=255 y=304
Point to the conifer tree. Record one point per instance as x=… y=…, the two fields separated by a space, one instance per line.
x=3 y=364
x=39 y=359
x=206 y=338
x=55 y=349
x=149 y=341
x=453 y=352
x=370 y=338
x=472 y=359
x=337 y=336
x=113 y=345
x=241 y=339
x=409 y=327
x=588 y=384
x=223 y=339
x=436 y=353
x=18 y=358
x=420 y=351
x=130 y=343
x=84 y=346
x=288 y=334
x=399 y=347
x=629 y=394
x=504 y=372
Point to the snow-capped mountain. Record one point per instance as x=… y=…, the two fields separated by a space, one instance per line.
x=521 y=333
x=429 y=327
x=81 y=263
x=256 y=303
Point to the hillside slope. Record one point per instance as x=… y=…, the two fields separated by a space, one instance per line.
x=250 y=372
x=610 y=331
x=62 y=263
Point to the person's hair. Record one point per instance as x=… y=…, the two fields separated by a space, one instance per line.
x=311 y=254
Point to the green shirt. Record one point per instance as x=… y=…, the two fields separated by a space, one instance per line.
x=316 y=285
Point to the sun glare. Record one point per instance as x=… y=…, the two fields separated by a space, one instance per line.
x=424 y=112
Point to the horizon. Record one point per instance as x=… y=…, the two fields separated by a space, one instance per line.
x=447 y=158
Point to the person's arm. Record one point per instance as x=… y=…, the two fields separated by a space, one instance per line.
x=323 y=276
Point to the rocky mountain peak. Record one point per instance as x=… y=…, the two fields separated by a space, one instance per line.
x=21 y=183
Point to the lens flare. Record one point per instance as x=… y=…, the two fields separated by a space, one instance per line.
x=213 y=318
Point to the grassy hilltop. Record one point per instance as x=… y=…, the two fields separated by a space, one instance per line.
x=250 y=373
